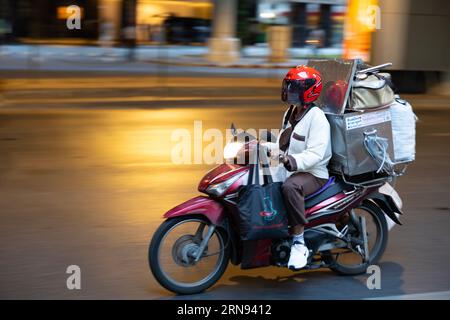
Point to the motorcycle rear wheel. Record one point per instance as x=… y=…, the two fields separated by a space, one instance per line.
x=377 y=248
x=158 y=268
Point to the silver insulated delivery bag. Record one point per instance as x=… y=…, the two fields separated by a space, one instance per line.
x=361 y=141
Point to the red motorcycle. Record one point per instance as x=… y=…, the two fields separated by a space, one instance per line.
x=347 y=230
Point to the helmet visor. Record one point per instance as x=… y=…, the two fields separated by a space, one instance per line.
x=292 y=91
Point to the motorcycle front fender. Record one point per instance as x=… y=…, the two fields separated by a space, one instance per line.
x=200 y=205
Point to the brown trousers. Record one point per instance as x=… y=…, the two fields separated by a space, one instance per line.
x=295 y=189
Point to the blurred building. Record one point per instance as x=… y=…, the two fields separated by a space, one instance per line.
x=412 y=34
x=177 y=21
x=183 y=20
x=47 y=18
x=105 y=19
x=318 y=22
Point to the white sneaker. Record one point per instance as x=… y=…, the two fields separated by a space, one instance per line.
x=299 y=256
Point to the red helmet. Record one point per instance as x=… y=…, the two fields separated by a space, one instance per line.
x=301 y=85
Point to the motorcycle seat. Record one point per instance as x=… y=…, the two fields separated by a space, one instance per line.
x=329 y=183
x=331 y=188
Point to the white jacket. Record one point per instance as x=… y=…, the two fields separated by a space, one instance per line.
x=310 y=146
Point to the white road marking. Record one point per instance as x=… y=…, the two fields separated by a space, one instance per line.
x=439 y=295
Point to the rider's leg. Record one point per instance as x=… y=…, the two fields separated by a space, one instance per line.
x=294 y=189
x=298 y=229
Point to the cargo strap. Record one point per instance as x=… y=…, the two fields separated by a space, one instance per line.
x=377 y=148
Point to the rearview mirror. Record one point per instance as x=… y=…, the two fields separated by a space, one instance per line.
x=233 y=130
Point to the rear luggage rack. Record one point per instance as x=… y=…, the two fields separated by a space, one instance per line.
x=366 y=180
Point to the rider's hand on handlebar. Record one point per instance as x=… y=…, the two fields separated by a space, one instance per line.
x=267 y=147
x=275 y=154
x=283 y=159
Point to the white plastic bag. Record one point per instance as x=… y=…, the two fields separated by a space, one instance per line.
x=403 y=130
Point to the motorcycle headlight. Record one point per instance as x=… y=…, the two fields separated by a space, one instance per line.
x=231 y=150
x=219 y=188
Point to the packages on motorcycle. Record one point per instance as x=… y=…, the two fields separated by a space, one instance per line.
x=372 y=129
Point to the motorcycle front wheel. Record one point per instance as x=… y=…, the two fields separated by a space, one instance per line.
x=173 y=250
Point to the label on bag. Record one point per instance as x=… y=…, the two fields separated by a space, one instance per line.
x=367 y=119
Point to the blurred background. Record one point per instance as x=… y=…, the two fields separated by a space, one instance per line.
x=87 y=112
x=410 y=33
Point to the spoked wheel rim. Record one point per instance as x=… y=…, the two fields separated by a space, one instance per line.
x=351 y=258
x=177 y=251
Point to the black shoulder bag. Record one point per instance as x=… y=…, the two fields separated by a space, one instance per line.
x=262 y=211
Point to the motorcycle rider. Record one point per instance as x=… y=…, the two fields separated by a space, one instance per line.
x=304 y=148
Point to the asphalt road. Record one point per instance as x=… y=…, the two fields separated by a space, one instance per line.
x=86 y=174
